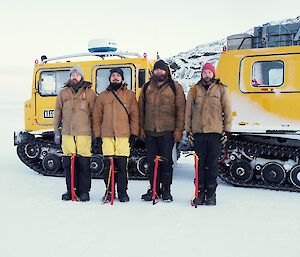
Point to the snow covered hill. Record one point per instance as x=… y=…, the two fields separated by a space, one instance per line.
x=186 y=65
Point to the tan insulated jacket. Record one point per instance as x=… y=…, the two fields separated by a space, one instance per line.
x=73 y=111
x=160 y=109
x=110 y=119
x=208 y=111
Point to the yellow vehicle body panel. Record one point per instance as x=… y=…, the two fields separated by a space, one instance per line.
x=265 y=86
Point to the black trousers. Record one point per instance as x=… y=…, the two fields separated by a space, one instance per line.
x=82 y=179
x=84 y=174
x=208 y=148
x=162 y=146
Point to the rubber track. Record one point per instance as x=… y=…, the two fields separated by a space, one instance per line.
x=260 y=150
x=36 y=164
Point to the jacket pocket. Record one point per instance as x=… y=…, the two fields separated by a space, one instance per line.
x=83 y=105
x=67 y=104
x=214 y=96
x=214 y=101
x=198 y=103
x=164 y=100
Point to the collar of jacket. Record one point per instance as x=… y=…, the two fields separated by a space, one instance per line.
x=213 y=83
x=84 y=87
x=154 y=83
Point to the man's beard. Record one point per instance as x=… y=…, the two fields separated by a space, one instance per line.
x=159 y=78
x=208 y=81
x=115 y=85
x=74 y=82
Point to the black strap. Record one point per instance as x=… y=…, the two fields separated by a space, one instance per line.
x=144 y=90
x=120 y=102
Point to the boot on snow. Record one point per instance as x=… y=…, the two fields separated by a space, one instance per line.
x=148 y=196
x=66 y=196
x=200 y=200
x=166 y=180
x=166 y=194
x=211 y=196
x=123 y=197
x=107 y=197
x=211 y=200
x=84 y=197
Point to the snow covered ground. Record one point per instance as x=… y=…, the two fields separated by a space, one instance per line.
x=35 y=222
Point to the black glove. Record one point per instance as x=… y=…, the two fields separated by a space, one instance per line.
x=225 y=137
x=132 y=140
x=57 y=137
x=97 y=145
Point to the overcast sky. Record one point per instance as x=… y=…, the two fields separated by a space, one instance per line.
x=32 y=28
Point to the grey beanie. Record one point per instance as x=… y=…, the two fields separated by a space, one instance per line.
x=77 y=69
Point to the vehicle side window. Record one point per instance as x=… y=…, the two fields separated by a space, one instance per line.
x=267 y=73
x=51 y=82
x=142 y=78
x=102 y=78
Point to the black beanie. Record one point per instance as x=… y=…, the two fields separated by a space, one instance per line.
x=161 y=65
x=117 y=70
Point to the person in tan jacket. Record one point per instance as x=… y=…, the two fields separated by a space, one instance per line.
x=72 y=120
x=208 y=121
x=161 y=105
x=116 y=127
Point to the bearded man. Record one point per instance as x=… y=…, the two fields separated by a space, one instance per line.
x=73 y=129
x=162 y=106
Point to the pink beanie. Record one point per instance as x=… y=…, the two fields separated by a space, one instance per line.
x=209 y=66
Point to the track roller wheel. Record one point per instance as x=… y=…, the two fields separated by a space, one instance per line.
x=51 y=163
x=97 y=164
x=273 y=173
x=241 y=170
x=295 y=176
x=143 y=166
x=32 y=150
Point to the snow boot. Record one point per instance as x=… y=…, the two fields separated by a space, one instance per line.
x=123 y=197
x=211 y=200
x=148 y=196
x=166 y=186
x=166 y=194
x=200 y=200
x=66 y=196
x=84 y=197
x=107 y=197
x=211 y=196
